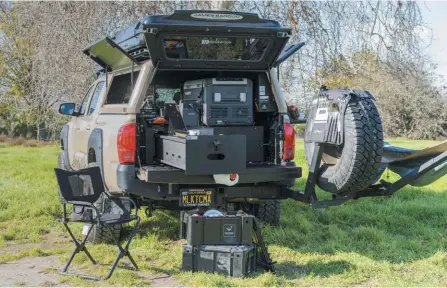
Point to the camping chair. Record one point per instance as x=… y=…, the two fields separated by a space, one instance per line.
x=83 y=188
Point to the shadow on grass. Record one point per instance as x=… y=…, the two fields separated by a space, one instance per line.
x=405 y=227
x=161 y=223
x=290 y=270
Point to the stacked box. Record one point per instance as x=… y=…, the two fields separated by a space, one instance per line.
x=233 y=229
x=221 y=244
x=230 y=260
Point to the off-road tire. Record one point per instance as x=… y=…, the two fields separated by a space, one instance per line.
x=268 y=212
x=101 y=234
x=61 y=162
x=359 y=162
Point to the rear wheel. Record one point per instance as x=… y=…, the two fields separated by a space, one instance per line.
x=101 y=234
x=268 y=212
x=61 y=163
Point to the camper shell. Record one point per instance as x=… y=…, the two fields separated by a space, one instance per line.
x=148 y=40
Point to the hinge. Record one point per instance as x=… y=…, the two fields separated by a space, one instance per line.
x=151 y=30
x=282 y=35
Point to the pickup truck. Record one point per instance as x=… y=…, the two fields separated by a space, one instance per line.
x=187 y=112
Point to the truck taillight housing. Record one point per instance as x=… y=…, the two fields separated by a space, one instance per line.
x=289 y=142
x=127 y=143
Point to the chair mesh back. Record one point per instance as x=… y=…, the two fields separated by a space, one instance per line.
x=83 y=185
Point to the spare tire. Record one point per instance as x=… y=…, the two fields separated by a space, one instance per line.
x=352 y=166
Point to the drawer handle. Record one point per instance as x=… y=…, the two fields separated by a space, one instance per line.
x=216 y=156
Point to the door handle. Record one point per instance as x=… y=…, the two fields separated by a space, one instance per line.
x=87 y=127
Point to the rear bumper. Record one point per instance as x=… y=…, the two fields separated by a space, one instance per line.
x=259 y=181
x=253 y=174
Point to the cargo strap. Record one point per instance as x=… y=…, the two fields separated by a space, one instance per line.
x=263 y=258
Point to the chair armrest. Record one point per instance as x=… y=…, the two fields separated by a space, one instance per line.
x=110 y=196
x=85 y=204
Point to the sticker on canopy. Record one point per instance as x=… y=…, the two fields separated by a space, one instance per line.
x=216 y=16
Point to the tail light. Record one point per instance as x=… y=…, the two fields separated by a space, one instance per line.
x=127 y=143
x=289 y=142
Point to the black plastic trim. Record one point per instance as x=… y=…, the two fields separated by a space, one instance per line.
x=64 y=146
x=95 y=143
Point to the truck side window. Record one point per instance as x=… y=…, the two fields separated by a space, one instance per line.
x=166 y=94
x=84 y=103
x=95 y=98
x=121 y=88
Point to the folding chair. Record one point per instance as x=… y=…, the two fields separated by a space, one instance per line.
x=83 y=188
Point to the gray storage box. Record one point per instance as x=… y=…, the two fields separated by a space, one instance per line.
x=222 y=230
x=203 y=154
x=226 y=101
x=228 y=260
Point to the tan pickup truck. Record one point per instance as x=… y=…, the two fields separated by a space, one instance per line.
x=186 y=116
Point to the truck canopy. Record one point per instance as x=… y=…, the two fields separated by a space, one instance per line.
x=195 y=40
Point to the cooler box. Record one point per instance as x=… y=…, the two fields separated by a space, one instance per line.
x=222 y=230
x=230 y=260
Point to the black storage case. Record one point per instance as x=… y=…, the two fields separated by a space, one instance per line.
x=222 y=230
x=230 y=260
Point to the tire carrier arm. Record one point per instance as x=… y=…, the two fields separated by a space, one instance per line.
x=381 y=189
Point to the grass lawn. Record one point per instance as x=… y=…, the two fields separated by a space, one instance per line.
x=395 y=241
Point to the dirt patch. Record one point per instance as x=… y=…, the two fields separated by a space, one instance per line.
x=32 y=271
x=163 y=280
x=16 y=248
x=43 y=271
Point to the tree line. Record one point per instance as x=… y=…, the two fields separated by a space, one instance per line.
x=373 y=45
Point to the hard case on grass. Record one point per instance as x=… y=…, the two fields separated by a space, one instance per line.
x=234 y=229
x=230 y=260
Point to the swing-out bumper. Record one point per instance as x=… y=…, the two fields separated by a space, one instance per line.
x=416 y=168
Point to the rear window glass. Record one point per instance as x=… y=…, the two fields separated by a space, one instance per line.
x=215 y=48
x=121 y=88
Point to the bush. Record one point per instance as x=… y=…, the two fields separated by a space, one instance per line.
x=299 y=129
x=18 y=141
x=3 y=138
x=31 y=143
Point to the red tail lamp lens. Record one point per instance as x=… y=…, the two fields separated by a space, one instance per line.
x=289 y=142
x=127 y=144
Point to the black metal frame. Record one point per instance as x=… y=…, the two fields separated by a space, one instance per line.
x=97 y=218
x=81 y=246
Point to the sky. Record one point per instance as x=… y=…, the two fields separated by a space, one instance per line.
x=434 y=14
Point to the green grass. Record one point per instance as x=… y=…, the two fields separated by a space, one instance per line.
x=394 y=241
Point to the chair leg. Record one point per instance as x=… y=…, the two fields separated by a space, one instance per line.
x=79 y=247
x=122 y=251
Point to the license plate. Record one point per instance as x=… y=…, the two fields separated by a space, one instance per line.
x=196 y=197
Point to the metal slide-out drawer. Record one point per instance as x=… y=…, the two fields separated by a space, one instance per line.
x=204 y=154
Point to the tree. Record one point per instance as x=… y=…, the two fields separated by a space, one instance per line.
x=410 y=104
x=49 y=38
